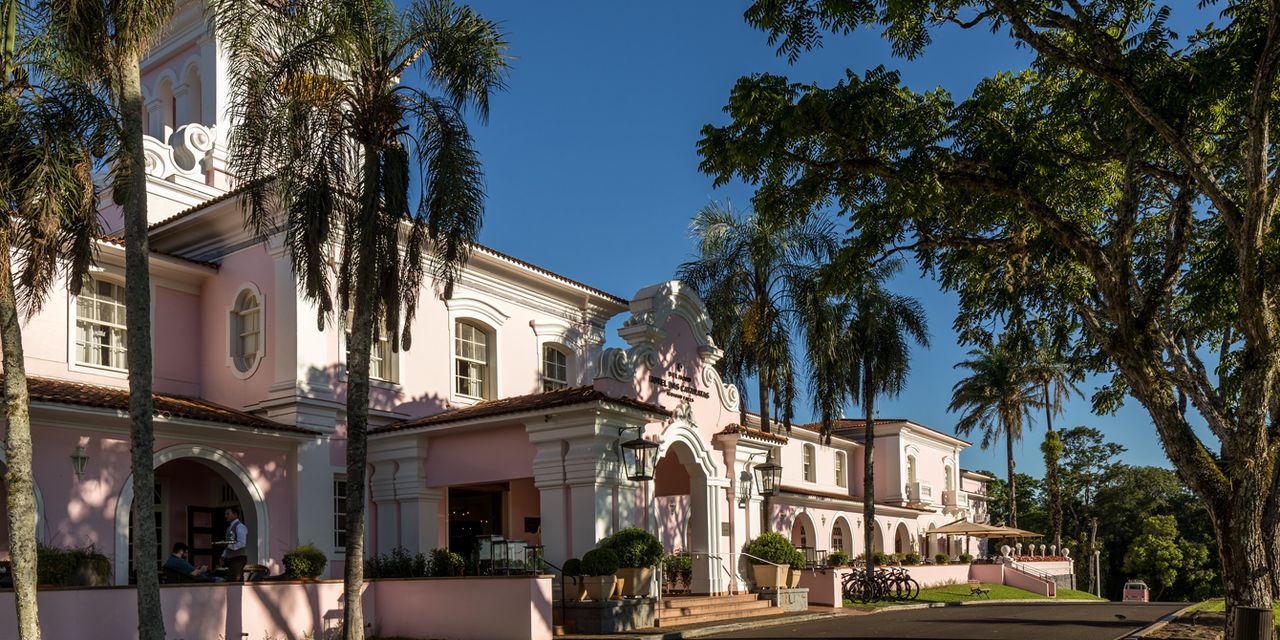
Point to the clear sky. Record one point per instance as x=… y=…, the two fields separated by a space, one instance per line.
x=592 y=166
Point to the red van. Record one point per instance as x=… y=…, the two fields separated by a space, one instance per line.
x=1136 y=591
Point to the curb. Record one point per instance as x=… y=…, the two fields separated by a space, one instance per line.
x=1160 y=623
x=976 y=603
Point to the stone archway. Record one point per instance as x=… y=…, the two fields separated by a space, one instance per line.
x=693 y=482
x=253 y=504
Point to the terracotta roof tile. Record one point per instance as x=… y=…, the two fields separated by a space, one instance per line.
x=92 y=395
x=735 y=428
x=119 y=242
x=519 y=404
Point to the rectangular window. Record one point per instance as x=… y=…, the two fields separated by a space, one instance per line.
x=471 y=351
x=555 y=369
x=340 y=512
x=382 y=361
x=809 y=474
x=841 y=480
x=100 y=325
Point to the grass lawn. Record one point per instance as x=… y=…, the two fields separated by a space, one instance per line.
x=962 y=593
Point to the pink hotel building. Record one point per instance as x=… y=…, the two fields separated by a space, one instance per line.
x=505 y=418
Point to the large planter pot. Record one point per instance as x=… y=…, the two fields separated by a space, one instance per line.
x=793 y=578
x=575 y=588
x=599 y=588
x=636 y=582
x=769 y=576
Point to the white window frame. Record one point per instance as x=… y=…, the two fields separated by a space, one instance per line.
x=73 y=342
x=339 y=500
x=379 y=341
x=488 y=369
x=547 y=379
x=842 y=471
x=235 y=331
x=809 y=459
x=491 y=319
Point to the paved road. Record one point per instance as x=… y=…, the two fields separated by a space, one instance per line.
x=983 y=622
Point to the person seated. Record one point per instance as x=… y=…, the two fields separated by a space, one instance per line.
x=178 y=564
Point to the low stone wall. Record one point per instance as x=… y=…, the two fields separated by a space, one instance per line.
x=939 y=575
x=460 y=608
x=824 y=585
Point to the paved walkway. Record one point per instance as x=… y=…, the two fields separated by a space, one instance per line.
x=983 y=622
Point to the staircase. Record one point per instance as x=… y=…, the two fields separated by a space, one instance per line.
x=684 y=610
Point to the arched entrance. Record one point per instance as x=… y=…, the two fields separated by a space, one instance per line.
x=902 y=539
x=686 y=484
x=842 y=536
x=194 y=484
x=803 y=533
x=4 y=502
x=877 y=538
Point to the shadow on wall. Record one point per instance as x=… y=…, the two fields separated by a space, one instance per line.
x=331 y=381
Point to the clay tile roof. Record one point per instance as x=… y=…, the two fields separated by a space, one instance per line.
x=92 y=395
x=201 y=206
x=119 y=242
x=735 y=428
x=566 y=397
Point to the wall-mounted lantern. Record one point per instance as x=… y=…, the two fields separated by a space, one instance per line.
x=78 y=461
x=640 y=455
x=769 y=476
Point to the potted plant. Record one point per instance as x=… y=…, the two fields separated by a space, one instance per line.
x=941 y=558
x=837 y=559
x=304 y=562
x=911 y=559
x=771 y=556
x=678 y=569
x=573 y=573
x=638 y=553
x=797 y=563
x=599 y=567
x=966 y=558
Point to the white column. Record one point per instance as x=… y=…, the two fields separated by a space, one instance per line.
x=420 y=519
x=313 y=488
x=548 y=478
x=382 y=491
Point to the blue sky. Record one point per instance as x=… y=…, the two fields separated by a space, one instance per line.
x=592 y=166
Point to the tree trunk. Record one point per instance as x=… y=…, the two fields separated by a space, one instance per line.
x=1271 y=531
x=137 y=293
x=764 y=401
x=1242 y=550
x=1013 y=502
x=1051 y=475
x=19 y=478
x=359 y=349
x=868 y=471
x=1094 y=587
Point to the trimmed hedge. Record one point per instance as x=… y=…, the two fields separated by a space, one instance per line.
x=941 y=558
x=636 y=548
x=304 y=561
x=912 y=558
x=774 y=547
x=966 y=558
x=71 y=567
x=397 y=563
x=573 y=567
x=446 y=563
x=837 y=558
x=600 y=562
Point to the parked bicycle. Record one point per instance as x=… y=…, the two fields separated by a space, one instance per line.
x=887 y=583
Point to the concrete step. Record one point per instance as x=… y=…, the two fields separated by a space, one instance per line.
x=666 y=622
x=701 y=609
x=694 y=601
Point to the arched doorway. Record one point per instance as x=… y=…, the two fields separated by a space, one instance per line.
x=803 y=533
x=194 y=484
x=877 y=538
x=842 y=536
x=685 y=509
x=902 y=539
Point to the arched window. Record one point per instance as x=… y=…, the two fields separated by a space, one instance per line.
x=472 y=359
x=246 y=331
x=191 y=109
x=555 y=368
x=842 y=479
x=838 y=537
x=810 y=474
x=949 y=479
x=911 y=469
x=100 y=324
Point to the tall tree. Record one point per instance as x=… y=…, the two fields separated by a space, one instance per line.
x=1057 y=377
x=749 y=269
x=858 y=337
x=48 y=221
x=108 y=39
x=327 y=141
x=1127 y=176
x=997 y=397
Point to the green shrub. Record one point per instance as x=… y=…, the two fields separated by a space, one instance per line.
x=837 y=559
x=445 y=563
x=304 y=561
x=881 y=558
x=912 y=558
x=798 y=560
x=636 y=548
x=772 y=547
x=966 y=558
x=398 y=563
x=941 y=558
x=600 y=562
x=573 y=567
x=677 y=566
x=71 y=567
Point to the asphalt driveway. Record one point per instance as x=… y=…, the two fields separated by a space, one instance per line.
x=1107 y=621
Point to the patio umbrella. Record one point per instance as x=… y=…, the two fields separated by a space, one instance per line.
x=969 y=530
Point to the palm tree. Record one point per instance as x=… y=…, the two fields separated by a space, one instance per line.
x=106 y=39
x=996 y=397
x=326 y=142
x=49 y=205
x=858 y=347
x=1057 y=380
x=748 y=270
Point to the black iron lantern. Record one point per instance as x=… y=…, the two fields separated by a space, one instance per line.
x=640 y=456
x=769 y=476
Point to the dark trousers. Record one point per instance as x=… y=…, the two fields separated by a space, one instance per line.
x=235 y=568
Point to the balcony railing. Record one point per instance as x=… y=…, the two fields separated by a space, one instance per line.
x=955 y=499
x=919 y=492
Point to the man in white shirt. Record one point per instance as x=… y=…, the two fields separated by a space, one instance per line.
x=234 y=556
